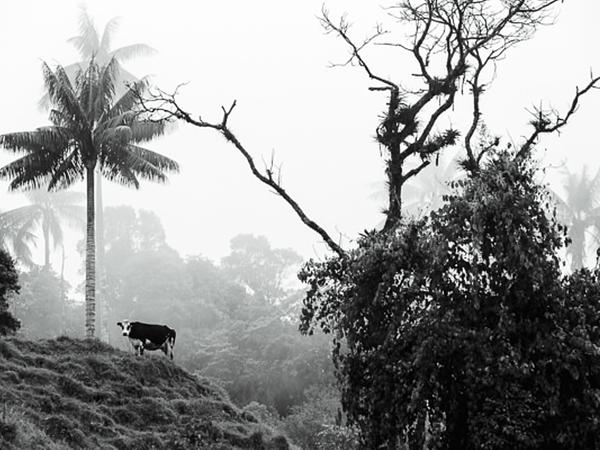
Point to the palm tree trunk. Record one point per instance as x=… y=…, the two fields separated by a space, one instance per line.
x=101 y=270
x=46 y=230
x=90 y=258
x=63 y=294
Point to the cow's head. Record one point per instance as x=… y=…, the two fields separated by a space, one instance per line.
x=125 y=326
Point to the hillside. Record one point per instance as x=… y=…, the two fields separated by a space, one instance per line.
x=67 y=393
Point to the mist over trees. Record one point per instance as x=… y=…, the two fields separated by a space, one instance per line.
x=456 y=330
x=455 y=324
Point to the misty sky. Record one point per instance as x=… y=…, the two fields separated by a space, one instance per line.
x=273 y=57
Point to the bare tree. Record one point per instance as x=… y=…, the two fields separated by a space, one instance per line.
x=453 y=43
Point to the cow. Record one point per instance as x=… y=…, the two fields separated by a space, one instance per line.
x=145 y=336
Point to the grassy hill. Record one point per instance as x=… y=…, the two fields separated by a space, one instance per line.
x=67 y=393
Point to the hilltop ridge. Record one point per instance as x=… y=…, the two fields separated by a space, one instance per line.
x=68 y=393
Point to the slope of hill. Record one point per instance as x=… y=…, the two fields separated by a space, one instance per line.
x=67 y=393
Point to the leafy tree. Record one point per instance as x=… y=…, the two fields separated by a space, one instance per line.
x=253 y=263
x=459 y=331
x=9 y=284
x=580 y=211
x=40 y=305
x=89 y=129
x=318 y=423
x=144 y=277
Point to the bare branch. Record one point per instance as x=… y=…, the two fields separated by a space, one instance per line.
x=545 y=122
x=342 y=30
x=163 y=106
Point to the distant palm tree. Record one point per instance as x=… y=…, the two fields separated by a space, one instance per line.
x=89 y=129
x=92 y=45
x=15 y=238
x=45 y=212
x=579 y=210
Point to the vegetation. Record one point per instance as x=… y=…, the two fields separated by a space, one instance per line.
x=46 y=212
x=457 y=330
x=580 y=211
x=9 y=284
x=67 y=393
x=89 y=129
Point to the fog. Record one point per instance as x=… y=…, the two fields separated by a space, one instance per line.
x=227 y=280
x=274 y=59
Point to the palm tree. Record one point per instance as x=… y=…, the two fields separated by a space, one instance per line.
x=89 y=129
x=45 y=211
x=579 y=210
x=16 y=239
x=90 y=44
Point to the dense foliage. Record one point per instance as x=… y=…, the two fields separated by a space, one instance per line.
x=460 y=330
x=9 y=283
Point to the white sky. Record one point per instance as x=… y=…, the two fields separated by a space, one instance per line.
x=272 y=56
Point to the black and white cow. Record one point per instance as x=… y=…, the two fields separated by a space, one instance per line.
x=145 y=336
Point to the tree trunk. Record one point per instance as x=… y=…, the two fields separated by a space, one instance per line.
x=63 y=293
x=100 y=269
x=46 y=231
x=390 y=138
x=90 y=258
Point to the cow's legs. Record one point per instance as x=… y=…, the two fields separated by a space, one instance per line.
x=167 y=349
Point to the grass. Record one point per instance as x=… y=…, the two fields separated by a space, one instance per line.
x=67 y=393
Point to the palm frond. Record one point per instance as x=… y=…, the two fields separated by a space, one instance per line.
x=22 y=243
x=157 y=160
x=44 y=140
x=67 y=172
x=61 y=93
x=145 y=130
x=106 y=88
x=18 y=217
x=109 y=30
x=27 y=172
x=132 y=51
x=71 y=70
x=87 y=88
x=88 y=42
x=106 y=125
x=114 y=137
x=129 y=100
x=120 y=174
